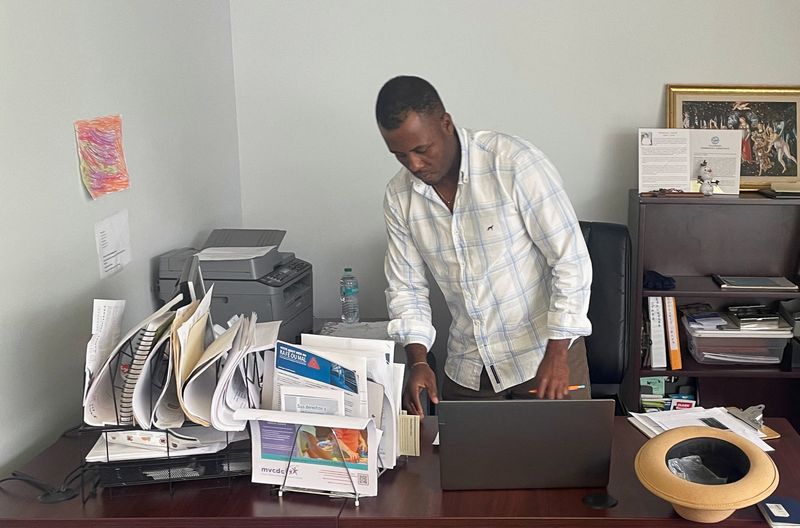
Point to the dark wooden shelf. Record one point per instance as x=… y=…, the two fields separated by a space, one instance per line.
x=745 y=198
x=689 y=238
x=693 y=369
x=705 y=287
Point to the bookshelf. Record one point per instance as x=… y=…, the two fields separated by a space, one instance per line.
x=689 y=238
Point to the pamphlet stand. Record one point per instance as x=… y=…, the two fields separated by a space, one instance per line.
x=332 y=494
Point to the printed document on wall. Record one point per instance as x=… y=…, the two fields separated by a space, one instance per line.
x=113 y=243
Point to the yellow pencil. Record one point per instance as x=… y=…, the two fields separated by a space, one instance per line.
x=571 y=387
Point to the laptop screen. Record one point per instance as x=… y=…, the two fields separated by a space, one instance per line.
x=519 y=444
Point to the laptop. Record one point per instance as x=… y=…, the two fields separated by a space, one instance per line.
x=525 y=444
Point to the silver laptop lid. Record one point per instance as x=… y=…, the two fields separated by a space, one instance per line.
x=518 y=444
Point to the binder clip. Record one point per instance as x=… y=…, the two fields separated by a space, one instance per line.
x=752 y=416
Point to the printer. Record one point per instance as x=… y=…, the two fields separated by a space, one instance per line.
x=276 y=285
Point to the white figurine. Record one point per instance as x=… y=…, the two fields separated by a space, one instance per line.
x=706 y=183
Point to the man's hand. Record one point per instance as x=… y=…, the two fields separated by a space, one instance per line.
x=421 y=377
x=553 y=373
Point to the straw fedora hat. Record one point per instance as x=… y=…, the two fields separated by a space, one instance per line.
x=751 y=474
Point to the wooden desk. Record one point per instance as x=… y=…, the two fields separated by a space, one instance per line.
x=195 y=504
x=407 y=496
x=410 y=495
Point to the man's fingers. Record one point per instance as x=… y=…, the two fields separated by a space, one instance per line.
x=411 y=400
x=416 y=402
x=541 y=390
x=433 y=394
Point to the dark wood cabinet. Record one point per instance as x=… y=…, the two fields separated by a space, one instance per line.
x=690 y=238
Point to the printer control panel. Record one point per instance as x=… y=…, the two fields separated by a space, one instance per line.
x=285 y=272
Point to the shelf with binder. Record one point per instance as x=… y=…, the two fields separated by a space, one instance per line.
x=704 y=287
x=692 y=368
x=690 y=239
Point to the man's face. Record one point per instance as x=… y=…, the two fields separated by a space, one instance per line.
x=425 y=145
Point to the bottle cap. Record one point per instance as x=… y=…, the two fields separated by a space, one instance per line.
x=348 y=270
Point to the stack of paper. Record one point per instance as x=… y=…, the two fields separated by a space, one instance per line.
x=334 y=410
x=383 y=375
x=172 y=367
x=652 y=424
x=239 y=384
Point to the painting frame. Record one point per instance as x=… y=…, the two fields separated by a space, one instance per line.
x=769 y=114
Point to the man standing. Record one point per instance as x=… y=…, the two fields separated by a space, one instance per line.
x=486 y=213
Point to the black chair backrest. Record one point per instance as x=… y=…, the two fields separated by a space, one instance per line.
x=609 y=308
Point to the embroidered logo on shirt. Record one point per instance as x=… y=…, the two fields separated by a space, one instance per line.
x=490 y=227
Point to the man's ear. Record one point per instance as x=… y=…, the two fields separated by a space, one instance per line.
x=447 y=123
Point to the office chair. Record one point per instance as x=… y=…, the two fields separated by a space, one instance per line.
x=607 y=349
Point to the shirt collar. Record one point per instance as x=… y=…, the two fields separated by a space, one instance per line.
x=463 y=139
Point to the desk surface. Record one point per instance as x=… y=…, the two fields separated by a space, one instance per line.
x=411 y=496
x=407 y=496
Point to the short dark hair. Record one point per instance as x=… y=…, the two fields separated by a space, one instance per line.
x=405 y=94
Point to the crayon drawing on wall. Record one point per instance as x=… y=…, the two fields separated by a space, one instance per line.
x=102 y=161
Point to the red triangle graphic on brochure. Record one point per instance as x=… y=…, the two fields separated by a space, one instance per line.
x=312 y=363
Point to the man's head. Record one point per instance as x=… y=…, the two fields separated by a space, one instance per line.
x=417 y=129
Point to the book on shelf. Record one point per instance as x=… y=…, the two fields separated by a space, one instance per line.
x=780 y=512
x=653 y=385
x=785 y=186
x=681 y=401
x=658 y=348
x=772 y=193
x=652 y=402
x=731 y=282
x=673 y=338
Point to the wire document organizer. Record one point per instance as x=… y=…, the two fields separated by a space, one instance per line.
x=332 y=494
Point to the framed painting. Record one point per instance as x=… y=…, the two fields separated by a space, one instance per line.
x=766 y=115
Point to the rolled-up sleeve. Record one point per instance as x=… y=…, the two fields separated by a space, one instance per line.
x=553 y=226
x=407 y=296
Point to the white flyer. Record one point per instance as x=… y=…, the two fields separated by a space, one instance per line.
x=301 y=366
x=313 y=451
x=678 y=159
x=379 y=355
x=106 y=328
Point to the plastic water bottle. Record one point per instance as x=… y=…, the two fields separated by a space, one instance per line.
x=348 y=292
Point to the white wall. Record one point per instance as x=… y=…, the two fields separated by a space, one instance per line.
x=167 y=68
x=576 y=77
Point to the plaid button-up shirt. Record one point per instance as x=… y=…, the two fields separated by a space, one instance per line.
x=510 y=260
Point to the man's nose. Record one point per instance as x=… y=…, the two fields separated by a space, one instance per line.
x=414 y=162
